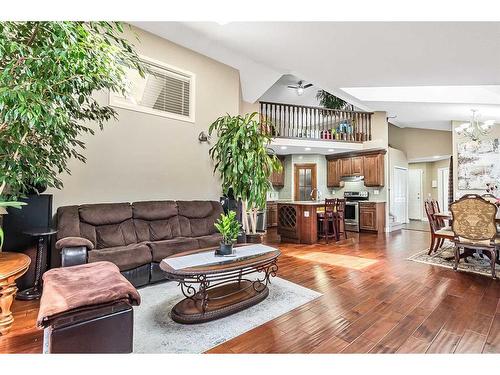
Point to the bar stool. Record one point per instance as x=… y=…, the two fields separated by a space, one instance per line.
x=326 y=221
x=340 y=218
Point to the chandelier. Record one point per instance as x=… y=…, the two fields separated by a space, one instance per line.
x=474 y=129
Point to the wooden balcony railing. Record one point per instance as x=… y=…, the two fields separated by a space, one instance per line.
x=296 y=121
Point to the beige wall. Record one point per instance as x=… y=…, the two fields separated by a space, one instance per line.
x=420 y=143
x=429 y=174
x=246 y=107
x=142 y=156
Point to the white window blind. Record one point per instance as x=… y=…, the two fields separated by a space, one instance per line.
x=164 y=91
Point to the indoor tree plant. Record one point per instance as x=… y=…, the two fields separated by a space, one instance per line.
x=330 y=101
x=242 y=158
x=229 y=228
x=48 y=74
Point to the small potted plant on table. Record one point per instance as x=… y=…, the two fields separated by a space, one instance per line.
x=229 y=227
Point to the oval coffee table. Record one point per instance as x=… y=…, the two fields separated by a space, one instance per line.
x=215 y=287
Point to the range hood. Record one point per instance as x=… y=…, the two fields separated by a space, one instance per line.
x=352 y=178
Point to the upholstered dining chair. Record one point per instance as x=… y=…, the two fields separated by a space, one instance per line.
x=490 y=198
x=474 y=227
x=439 y=232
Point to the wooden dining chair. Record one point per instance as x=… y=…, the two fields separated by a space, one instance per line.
x=439 y=232
x=474 y=227
x=326 y=221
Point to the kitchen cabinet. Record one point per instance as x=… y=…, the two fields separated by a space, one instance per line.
x=369 y=164
x=357 y=166
x=278 y=178
x=373 y=166
x=272 y=214
x=372 y=216
x=345 y=167
x=333 y=173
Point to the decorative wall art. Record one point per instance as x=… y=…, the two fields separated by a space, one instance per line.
x=478 y=164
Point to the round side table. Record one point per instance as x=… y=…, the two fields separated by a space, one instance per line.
x=42 y=235
x=12 y=266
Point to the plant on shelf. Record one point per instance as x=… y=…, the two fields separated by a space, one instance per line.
x=49 y=72
x=243 y=161
x=229 y=228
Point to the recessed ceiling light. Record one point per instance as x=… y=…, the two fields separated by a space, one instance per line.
x=436 y=156
x=283 y=147
x=308 y=149
x=301 y=157
x=330 y=150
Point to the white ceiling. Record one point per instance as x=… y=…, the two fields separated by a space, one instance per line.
x=335 y=55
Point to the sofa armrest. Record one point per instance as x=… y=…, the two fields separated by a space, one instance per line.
x=73 y=256
x=74 y=242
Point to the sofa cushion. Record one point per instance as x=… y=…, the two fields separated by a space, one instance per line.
x=212 y=240
x=105 y=213
x=163 y=249
x=154 y=210
x=113 y=235
x=155 y=221
x=125 y=257
x=197 y=218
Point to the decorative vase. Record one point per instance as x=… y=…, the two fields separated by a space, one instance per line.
x=224 y=249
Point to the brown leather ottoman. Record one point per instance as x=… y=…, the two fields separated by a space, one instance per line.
x=87 y=309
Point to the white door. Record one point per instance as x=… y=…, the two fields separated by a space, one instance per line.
x=415 y=195
x=443 y=175
x=400 y=193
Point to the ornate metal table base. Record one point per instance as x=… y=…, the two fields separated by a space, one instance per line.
x=222 y=294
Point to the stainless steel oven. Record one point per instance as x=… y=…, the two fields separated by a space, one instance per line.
x=351 y=213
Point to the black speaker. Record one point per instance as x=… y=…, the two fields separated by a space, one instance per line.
x=36 y=214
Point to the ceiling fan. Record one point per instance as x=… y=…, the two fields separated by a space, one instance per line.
x=300 y=87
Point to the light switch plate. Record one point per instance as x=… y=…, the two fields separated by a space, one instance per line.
x=306 y=213
x=375 y=192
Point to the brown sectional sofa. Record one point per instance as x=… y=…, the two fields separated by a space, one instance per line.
x=136 y=236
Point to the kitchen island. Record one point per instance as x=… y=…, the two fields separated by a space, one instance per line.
x=298 y=222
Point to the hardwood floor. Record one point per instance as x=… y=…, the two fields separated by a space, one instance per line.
x=374 y=301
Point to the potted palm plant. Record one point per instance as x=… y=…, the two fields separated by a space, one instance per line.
x=242 y=158
x=229 y=227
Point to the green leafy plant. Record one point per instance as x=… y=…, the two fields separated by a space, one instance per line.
x=330 y=101
x=242 y=159
x=3 y=206
x=229 y=227
x=48 y=74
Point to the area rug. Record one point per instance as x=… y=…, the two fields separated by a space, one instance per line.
x=156 y=332
x=474 y=264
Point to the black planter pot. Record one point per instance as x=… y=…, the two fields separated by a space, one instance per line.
x=224 y=249
x=255 y=238
x=242 y=238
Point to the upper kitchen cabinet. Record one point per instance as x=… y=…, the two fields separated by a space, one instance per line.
x=333 y=173
x=369 y=164
x=345 y=167
x=278 y=178
x=357 y=166
x=373 y=166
